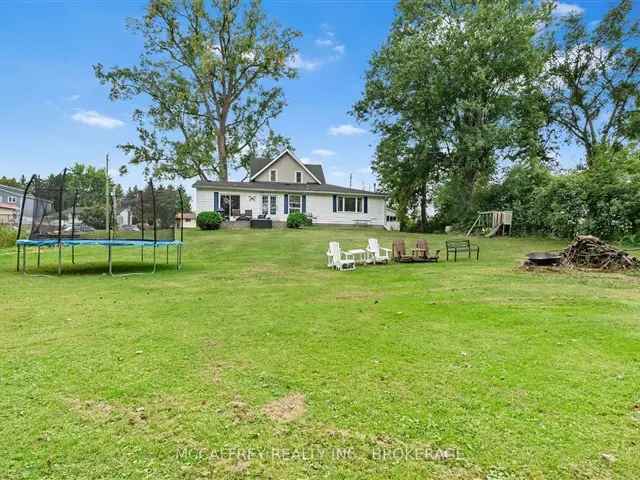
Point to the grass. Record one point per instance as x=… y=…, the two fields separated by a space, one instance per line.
x=514 y=374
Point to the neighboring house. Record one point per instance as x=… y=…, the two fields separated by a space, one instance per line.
x=283 y=185
x=188 y=218
x=8 y=213
x=124 y=217
x=13 y=196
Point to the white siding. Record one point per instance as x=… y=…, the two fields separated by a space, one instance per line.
x=319 y=205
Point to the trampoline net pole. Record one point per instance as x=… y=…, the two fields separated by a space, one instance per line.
x=24 y=202
x=181 y=214
x=73 y=226
x=60 y=208
x=141 y=197
x=155 y=223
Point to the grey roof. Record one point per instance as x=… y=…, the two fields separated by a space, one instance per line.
x=12 y=190
x=284 y=187
x=317 y=171
x=258 y=164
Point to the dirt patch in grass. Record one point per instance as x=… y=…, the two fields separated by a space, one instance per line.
x=92 y=409
x=102 y=411
x=241 y=411
x=286 y=409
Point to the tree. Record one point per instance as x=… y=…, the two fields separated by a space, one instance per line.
x=12 y=182
x=471 y=96
x=210 y=71
x=596 y=78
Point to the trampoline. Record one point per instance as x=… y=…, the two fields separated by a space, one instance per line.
x=56 y=215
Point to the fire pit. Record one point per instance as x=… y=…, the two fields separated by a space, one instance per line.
x=543 y=259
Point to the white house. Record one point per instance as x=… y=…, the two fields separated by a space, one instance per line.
x=284 y=184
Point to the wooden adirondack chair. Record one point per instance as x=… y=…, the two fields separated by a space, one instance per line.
x=338 y=259
x=400 y=252
x=421 y=252
x=377 y=253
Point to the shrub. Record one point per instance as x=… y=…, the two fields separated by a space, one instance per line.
x=298 y=220
x=208 y=220
x=7 y=237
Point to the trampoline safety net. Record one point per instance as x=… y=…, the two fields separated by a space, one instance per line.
x=53 y=210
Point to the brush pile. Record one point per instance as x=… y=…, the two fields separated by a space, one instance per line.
x=590 y=252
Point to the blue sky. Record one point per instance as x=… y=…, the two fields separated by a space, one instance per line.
x=53 y=112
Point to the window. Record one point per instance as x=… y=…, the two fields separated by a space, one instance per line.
x=13 y=199
x=273 y=175
x=269 y=205
x=349 y=204
x=295 y=203
x=230 y=204
x=298 y=177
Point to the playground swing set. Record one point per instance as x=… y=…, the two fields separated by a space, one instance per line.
x=492 y=223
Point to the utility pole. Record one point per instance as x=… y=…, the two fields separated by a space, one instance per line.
x=350 y=179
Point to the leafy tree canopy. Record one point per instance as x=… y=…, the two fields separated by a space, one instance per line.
x=210 y=71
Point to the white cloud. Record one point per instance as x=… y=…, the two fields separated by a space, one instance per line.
x=339 y=49
x=324 y=42
x=323 y=152
x=95 y=119
x=72 y=98
x=300 y=63
x=338 y=173
x=346 y=130
x=364 y=170
x=563 y=9
x=305 y=160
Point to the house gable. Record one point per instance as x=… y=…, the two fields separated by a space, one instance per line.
x=286 y=166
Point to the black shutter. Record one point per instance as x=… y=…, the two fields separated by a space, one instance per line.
x=335 y=203
x=216 y=201
x=366 y=205
x=286 y=203
x=304 y=204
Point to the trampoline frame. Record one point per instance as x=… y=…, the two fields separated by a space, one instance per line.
x=24 y=244
x=65 y=241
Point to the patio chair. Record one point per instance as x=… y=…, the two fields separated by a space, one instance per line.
x=377 y=253
x=235 y=212
x=400 y=252
x=421 y=252
x=338 y=259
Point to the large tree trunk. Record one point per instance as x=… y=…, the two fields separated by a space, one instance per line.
x=423 y=207
x=223 y=166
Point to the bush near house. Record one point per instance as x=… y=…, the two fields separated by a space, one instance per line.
x=298 y=220
x=7 y=237
x=208 y=220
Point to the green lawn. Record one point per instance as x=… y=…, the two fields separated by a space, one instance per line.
x=514 y=374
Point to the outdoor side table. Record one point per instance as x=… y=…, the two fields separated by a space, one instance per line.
x=359 y=255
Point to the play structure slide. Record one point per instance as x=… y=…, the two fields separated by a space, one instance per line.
x=493 y=231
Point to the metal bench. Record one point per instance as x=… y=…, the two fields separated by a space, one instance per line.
x=462 y=246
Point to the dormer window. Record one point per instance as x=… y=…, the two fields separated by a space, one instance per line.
x=298 y=177
x=273 y=175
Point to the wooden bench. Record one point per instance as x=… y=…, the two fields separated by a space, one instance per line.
x=462 y=246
